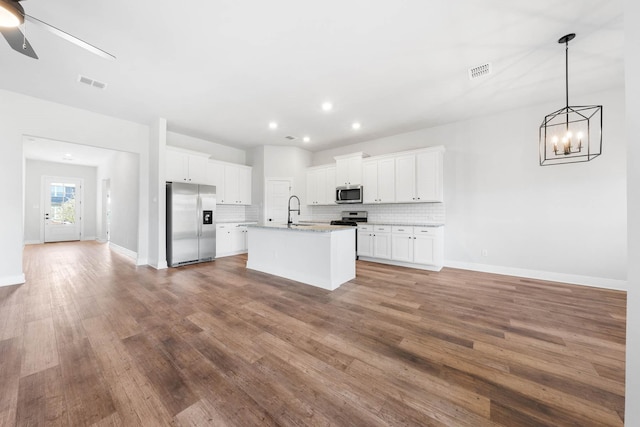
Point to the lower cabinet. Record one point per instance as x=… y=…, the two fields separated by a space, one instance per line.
x=374 y=241
x=231 y=239
x=411 y=246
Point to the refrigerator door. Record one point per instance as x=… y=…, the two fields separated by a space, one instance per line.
x=207 y=223
x=182 y=223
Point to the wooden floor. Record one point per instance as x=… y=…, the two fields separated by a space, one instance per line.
x=91 y=339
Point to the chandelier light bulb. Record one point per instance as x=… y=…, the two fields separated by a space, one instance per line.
x=569 y=134
x=554 y=140
x=9 y=15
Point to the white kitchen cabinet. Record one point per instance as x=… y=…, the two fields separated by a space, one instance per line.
x=429 y=176
x=365 y=242
x=402 y=243
x=215 y=175
x=378 y=180
x=231 y=239
x=232 y=181
x=428 y=246
x=321 y=185
x=409 y=246
x=349 y=169
x=184 y=167
x=374 y=241
x=330 y=189
x=419 y=176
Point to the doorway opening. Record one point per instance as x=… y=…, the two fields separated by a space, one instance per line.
x=62 y=206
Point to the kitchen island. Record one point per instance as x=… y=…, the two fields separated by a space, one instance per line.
x=316 y=254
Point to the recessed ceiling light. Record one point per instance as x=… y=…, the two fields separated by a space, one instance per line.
x=356 y=126
x=306 y=139
x=327 y=106
x=273 y=125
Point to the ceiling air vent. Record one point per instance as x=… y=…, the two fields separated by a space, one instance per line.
x=290 y=137
x=480 y=71
x=91 y=82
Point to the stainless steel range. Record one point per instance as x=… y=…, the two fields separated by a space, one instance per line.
x=352 y=218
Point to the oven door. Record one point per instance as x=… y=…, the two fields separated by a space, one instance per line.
x=349 y=194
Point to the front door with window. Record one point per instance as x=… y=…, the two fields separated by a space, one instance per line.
x=62 y=209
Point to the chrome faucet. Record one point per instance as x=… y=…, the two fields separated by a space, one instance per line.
x=289 y=222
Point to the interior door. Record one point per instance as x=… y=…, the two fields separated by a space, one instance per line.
x=62 y=209
x=277 y=199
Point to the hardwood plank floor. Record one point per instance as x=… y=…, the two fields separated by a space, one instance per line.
x=91 y=339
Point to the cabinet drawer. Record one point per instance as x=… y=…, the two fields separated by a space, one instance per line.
x=382 y=228
x=399 y=229
x=365 y=227
x=427 y=231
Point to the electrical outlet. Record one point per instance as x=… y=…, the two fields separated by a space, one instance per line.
x=485 y=252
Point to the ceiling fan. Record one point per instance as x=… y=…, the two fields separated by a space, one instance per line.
x=12 y=15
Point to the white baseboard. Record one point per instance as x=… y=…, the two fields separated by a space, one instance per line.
x=88 y=238
x=222 y=255
x=161 y=265
x=12 y=280
x=33 y=242
x=402 y=263
x=142 y=261
x=123 y=251
x=597 y=282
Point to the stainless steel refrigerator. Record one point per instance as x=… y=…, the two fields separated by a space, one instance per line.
x=191 y=228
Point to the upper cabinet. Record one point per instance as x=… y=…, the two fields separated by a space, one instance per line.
x=185 y=167
x=321 y=185
x=378 y=180
x=232 y=181
x=419 y=176
x=349 y=169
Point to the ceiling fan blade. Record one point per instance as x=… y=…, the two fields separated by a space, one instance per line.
x=16 y=40
x=68 y=37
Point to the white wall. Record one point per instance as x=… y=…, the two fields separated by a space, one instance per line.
x=632 y=74
x=565 y=221
x=278 y=162
x=34 y=171
x=122 y=171
x=255 y=158
x=217 y=151
x=157 y=194
x=23 y=115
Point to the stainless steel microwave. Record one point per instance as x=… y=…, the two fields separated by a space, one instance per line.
x=349 y=194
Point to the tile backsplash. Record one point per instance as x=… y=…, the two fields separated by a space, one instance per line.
x=405 y=213
x=230 y=213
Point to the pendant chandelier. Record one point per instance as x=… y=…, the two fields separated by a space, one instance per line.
x=572 y=134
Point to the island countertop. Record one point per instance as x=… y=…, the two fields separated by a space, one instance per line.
x=306 y=227
x=320 y=255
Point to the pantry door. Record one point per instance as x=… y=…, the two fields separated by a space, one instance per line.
x=62 y=203
x=276 y=200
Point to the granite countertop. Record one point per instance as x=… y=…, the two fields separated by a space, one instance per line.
x=306 y=227
x=236 y=222
x=401 y=224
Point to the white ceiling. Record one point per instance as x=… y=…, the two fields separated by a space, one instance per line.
x=222 y=69
x=64 y=152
